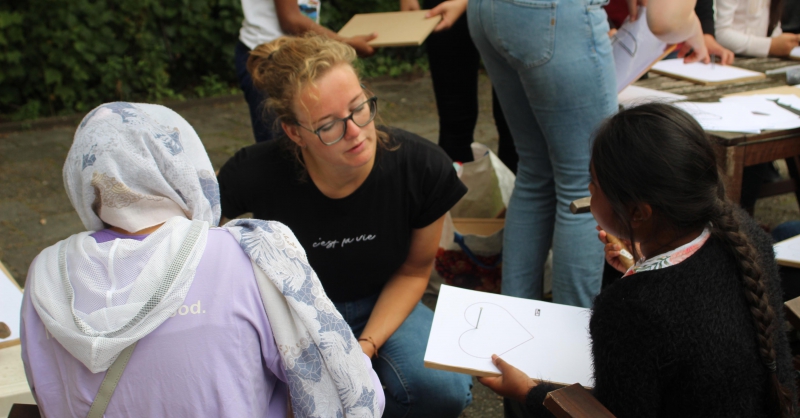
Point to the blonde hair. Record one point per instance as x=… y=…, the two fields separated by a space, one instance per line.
x=283 y=67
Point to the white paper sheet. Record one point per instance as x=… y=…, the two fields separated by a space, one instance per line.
x=795 y=54
x=635 y=49
x=766 y=111
x=10 y=305
x=787 y=252
x=545 y=340
x=724 y=117
x=703 y=72
x=635 y=95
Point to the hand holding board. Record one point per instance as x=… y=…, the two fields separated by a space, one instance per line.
x=393 y=28
x=547 y=341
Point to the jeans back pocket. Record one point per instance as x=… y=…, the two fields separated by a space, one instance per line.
x=525 y=29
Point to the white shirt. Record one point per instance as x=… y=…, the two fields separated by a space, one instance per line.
x=260 y=24
x=741 y=26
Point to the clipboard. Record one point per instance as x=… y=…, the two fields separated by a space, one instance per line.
x=393 y=28
x=705 y=74
x=10 y=306
x=636 y=50
x=787 y=252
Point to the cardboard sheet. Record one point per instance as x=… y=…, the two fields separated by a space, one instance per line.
x=545 y=340
x=10 y=305
x=393 y=28
x=707 y=74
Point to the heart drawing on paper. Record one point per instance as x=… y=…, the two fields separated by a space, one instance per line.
x=495 y=331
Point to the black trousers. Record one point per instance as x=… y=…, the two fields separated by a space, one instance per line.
x=454 y=63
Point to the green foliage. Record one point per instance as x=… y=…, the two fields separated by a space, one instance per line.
x=69 y=56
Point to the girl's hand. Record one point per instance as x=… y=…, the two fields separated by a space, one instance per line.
x=782 y=45
x=513 y=384
x=613 y=251
x=714 y=48
x=450 y=11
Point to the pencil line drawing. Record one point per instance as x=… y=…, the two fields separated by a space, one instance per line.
x=494 y=330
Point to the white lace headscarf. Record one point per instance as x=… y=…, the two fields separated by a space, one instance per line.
x=131 y=166
x=134 y=166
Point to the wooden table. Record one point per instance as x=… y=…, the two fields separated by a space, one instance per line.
x=737 y=150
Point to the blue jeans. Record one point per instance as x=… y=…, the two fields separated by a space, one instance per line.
x=262 y=122
x=411 y=389
x=550 y=62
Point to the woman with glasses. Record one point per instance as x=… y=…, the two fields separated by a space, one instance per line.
x=366 y=202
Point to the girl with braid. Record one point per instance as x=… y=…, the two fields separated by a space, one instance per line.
x=695 y=327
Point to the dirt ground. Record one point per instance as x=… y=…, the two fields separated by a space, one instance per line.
x=35 y=212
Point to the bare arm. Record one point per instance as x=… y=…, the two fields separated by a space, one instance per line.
x=294 y=22
x=402 y=292
x=672 y=21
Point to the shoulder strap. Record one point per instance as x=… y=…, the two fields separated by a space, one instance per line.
x=109 y=384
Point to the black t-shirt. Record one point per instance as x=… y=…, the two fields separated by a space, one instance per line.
x=356 y=243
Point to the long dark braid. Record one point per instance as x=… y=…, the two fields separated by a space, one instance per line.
x=726 y=227
x=659 y=155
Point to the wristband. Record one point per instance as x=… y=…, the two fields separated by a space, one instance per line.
x=375 y=346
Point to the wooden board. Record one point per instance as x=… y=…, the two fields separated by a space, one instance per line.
x=574 y=401
x=393 y=28
x=12 y=299
x=674 y=68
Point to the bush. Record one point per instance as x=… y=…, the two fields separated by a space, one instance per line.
x=69 y=56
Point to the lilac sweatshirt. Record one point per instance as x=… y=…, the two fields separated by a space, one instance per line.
x=215 y=357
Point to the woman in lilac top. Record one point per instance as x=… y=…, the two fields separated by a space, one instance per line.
x=200 y=312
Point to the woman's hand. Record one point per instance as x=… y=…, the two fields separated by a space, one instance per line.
x=409 y=5
x=782 y=45
x=367 y=348
x=450 y=11
x=361 y=44
x=613 y=251
x=694 y=49
x=513 y=384
x=633 y=8
x=714 y=48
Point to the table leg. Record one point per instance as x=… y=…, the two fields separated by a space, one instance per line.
x=733 y=166
x=793 y=164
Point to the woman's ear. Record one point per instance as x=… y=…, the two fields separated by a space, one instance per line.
x=293 y=132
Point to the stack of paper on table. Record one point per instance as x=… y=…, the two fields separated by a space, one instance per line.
x=393 y=28
x=10 y=305
x=545 y=340
x=635 y=95
x=767 y=111
x=704 y=73
x=636 y=49
x=741 y=114
x=787 y=252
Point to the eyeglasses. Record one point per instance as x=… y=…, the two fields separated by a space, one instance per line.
x=333 y=131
